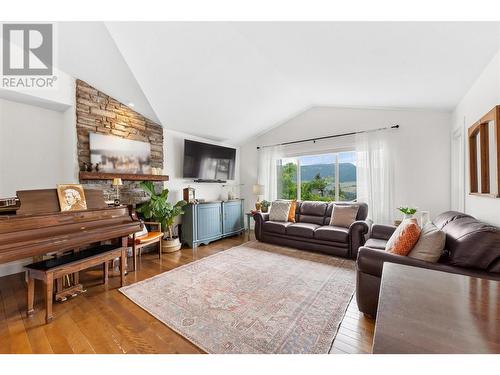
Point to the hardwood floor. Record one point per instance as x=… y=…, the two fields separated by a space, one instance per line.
x=102 y=320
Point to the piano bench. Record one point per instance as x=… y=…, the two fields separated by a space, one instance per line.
x=52 y=269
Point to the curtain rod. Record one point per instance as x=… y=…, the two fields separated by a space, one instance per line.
x=329 y=136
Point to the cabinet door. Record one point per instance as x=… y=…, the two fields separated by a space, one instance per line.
x=209 y=223
x=233 y=217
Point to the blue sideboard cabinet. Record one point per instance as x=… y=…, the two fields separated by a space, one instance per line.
x=205 y=222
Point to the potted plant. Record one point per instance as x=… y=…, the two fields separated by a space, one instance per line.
x=159 y=209
x=264 y=205
x=407 y=212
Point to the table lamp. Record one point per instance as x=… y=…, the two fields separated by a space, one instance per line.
x=258 y=190
x=117 y=182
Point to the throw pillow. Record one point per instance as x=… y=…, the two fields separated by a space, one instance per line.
x=404 y=238
x=430 y=245
x=279 y=210
x=344 y=216
x=291 y=214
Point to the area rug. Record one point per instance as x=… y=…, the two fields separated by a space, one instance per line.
x=254 y=298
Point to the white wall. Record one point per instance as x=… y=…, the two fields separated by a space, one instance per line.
x=480 y=99
x=32 y=148
x=174 y=152
x=422 y=146
x=36 y=152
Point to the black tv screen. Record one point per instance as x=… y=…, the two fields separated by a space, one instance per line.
x=204 y=161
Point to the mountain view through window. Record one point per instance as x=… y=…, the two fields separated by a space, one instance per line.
x=325 y=177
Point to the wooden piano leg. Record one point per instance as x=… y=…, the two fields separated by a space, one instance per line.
x=105 y=272
x=49 y=294
x=134 y=252
x=31 y=292
x=123 y=263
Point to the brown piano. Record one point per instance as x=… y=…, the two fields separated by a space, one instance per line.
x=36 y=227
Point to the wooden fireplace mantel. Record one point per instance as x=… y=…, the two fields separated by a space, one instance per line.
x=123 y=176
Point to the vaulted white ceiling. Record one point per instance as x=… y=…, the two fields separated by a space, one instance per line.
x=228 y=81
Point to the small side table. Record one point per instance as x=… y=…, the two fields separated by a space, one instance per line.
x=249 y=216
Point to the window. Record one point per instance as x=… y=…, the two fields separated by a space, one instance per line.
x=324 y=177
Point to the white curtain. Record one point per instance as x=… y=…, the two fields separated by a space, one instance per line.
x=268 y=170
x=375 y=175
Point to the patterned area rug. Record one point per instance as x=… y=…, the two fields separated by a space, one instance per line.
x=254 y=298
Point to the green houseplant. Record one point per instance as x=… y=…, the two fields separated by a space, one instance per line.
x=159 y=209
x=264 y=205
x=407 y=212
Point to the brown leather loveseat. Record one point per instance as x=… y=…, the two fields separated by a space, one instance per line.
x=311 y=230
x=472 y=248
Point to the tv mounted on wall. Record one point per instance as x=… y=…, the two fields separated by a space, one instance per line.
x=205 y=162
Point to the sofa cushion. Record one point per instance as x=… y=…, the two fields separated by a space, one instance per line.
x=343 y=216
x=376 y=243
x=471 y=243
x=404 y=238
x=291 y=214
x=447 y=217
x=361 y=215
x=305 y=230
x=312 y=212
x=430 y=245
x=332 y=233
x=279 y=210
x=275 y=226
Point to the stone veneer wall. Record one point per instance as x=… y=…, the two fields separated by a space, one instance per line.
x=97 y=112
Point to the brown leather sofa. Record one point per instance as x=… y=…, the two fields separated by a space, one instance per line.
x=311 y=230
x=472 y=248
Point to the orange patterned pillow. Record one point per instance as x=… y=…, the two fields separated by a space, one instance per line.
x=404 y=238
x=291 y=213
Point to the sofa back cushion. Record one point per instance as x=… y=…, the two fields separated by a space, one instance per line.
x=447 y=217
x=280 y=210
x=361 y=215
x=430 y=244
x=343 y=216
x=472 y=243
x=311 y=212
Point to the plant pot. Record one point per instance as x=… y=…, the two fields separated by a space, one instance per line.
x=264 y=208
x=170 y=245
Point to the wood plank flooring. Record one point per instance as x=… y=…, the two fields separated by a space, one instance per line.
x=104 y=321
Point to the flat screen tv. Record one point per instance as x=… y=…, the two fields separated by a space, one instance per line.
x=207 y=162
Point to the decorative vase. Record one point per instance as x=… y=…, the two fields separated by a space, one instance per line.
x=257 y=206
x=407 y=216
x=170 y=245
x=264 y=209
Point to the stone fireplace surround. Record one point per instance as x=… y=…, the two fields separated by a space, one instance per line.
x=97 y=112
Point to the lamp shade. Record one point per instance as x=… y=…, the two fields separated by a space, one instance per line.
x=117 y=182
x=258 y=189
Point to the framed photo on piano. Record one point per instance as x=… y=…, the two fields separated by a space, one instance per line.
x=71 y=197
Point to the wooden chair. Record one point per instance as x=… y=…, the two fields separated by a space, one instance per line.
x=137 y=243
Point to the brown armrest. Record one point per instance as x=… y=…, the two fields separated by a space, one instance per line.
x=371 y=261
x=261 y=216
x=381 y=231
x=357 y=232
